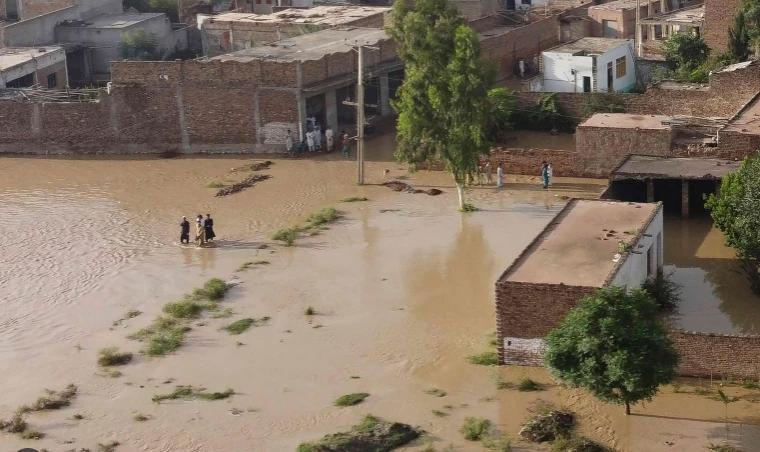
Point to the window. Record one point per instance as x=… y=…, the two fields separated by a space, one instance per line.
x=52 y=80
x=620 y=68
x=525 y=2
x=649 y=261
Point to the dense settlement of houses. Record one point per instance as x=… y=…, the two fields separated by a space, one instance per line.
x=265 y=68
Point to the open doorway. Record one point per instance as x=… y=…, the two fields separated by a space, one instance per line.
x=586 y=84
x=610 y=78
x=11 y=9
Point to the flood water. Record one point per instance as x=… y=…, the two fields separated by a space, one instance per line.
x=716 y=297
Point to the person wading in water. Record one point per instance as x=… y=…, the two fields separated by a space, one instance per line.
x=200 y=231
x=209 y=226
x=184 y=236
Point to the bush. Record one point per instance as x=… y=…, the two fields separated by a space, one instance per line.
x=288 y=236
x=355 y=199
x=475 y=429
x=242 y=325
x=324 y=216
x=576 y=444
x=484 y=359
x=663 y=290
x=528 y=385
x=371 y=435
x=190 y=393
x=548 y=426
x=111 y=356
x=467 y=207
x=215 y=289
x=351 y=399
x=185 y=309
x=214 y=183
x=32 y=434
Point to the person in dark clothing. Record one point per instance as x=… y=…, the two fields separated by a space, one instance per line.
x=184 y=237
x=209 y=225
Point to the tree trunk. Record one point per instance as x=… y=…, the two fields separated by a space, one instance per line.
x=627 y=408
x=460 y=191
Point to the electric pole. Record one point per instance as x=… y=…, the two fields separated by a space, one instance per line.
x=359 y=104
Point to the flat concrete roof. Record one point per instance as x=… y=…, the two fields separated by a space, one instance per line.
x=748 y=120
x=578 y=247
x=651 y=167
x=617 y=5
x=691 y=15
x=16 y=56
x=735 y=67
x=627 y=121
x=589 y=45
x=319 y=15
x=311 y=46
x=682 y=86
x=117 y=21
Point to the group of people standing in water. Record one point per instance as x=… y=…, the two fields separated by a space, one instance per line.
x=547 y=173
x=204 y=230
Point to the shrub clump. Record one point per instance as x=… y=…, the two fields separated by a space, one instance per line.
x=52 y=400
x=371 y=435
x=242 y=325
x=577 y=444
x=467 y=207
x=32 y=434
x=663 y=290
x=324 y=216
x=484 y=359
x=163 y=336
x=527 y=385
x=475 y=429
x=287 y=236
x=190 y=393
x=111 y=356
x=548 y=426
x=351 y=399
x=215 y=289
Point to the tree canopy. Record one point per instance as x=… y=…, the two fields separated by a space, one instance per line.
x=168 y=7
x=686 y=51
x=613 y=345
x=736 y=213
x=443 y=103
x=738 y=39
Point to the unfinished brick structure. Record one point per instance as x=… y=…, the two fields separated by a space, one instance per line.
x=719 y=17
x=27 y=9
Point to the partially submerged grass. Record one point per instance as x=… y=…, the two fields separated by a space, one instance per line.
x=32 y=434
x=467 y=207
x=132 y=313
x=190 y=393
x=372 y=434
x=354 y=199
x=287 y=236
x=112 y=356
x=17 y=424
x=722 y=448
x=351 y=399
x=52 y=400
x=576 y=443
x=163 y=336
x=261 y=263
x=309 y=311
x=749 y=384
x=701 y=390
x=108 y=447
x=139 y=417
x=242 y=325
x=435 y=392
x=226 y=313
x=475 y=429
x=188 y=308
x=440 y=413
x=215 y=289
x=324 y=216
x=527 y=385
x=484 y=359
x=214 y=183
x=245 y=266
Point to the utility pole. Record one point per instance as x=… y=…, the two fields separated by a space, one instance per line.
x=359 y=104
x=637 y=34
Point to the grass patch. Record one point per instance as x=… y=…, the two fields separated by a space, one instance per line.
x=215 y=289
x=493 y=339
x=484 y=359
x=309 y=311
x=324 y=216
x=139 y=417
x=475 y=429
x=132 y=313
x=528 y=385
x=190 y=393
x=262 y=262
x=700 y=390
x=351 y=399
x=32 y=434
x=287 y=236
x=114 y=373
x=108 y=447
x=749 y=384
x=435 y=392
x=77 y=417
x=355 y=199
x=188 y=308
x=355 y=377
x=576 y=443
x=17 y=424
x=439 y=413
x=372 y=434
x=111 y=356
x=242 y=325
x=52 y=400
x=223 y=314
x=163 y=336
x=498 y=443
x=722 y=448
x=467 y=207
x=244 y=266
x=214 y=183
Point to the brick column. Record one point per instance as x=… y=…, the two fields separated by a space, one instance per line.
x=650 y=190
x=385 y=96
x=331 y=109
x=685 y=199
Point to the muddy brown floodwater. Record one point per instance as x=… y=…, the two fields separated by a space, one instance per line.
x=402 y=286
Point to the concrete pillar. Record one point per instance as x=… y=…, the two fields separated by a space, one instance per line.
x=331 y=109
x=685 y=199
x=650 y=190
x=301 y=117
x=385 y=96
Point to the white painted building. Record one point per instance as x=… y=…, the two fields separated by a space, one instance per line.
x=587 y=65
x=40 y=66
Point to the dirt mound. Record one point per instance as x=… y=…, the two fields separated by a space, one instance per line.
x=169 y=154
x=548 y=426
x=434 y=192
x=372 y=435
x=242 y=185
x=255 y=167
x=401 y=186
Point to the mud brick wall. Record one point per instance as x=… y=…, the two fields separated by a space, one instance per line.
x=719 y=17
x=529 y=161
x=61 y=77
x=34 y=8
x=717 y=355
x=508 y=48
x=602 y=148
x=530 y=311
x=736 y=145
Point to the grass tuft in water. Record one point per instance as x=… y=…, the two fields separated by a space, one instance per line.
x=52 y=400
x=32 y=434
x=244 y=266
x=475 y=429
x=163 y=336
x=287 y=236
x=309 y=311
x=108 y=447
x=749 y=384
x=439 y=413
x=528 y=385
x=722 y=448
x=484 y=359
x=242 y=325
x=324 y=216
x=215 y=289
x=355 y=199
x=467 y=207
x=351 y=399
x=435 y=392
x=17 y=424
x=190 y=393
x=112 y=356
x=214 y=183
x=223 y=314
x=132 y=313
x=372 y=434
x=139 y=417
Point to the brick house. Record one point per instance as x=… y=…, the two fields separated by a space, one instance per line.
x=590 y=244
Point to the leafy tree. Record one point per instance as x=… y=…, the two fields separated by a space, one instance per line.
x=738 y=39
x=140 y=45
x=613 y=345
x=685 y=52
x=751 y=10
x=168 y=7
x=443 y=103
x=736 y=213
x=503 y=102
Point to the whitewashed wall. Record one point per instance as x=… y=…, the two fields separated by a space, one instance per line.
x=558 y=72
x=633 y=272
x=618 y=84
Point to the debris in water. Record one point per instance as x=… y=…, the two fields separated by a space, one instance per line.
x=242 y=185
x=169 y=154
x=548 y=426
x=255 y=167
x=401 y=186
x=434 y=192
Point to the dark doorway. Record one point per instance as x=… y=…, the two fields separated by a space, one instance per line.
x=586 y=84
x=510 y=5
x=21 y=82
x=630 y=190
x=315 y=106
x=11 y=9
x=697 y=190
x=669 y=192
x=346 y=113
x=610 y=78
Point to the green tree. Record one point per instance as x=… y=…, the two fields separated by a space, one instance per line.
x=685 y=52
x=140 y=45
x=751 y=10
x=736 y=213
x=443 y=102
x=502 y=104
x=168 y=7
x=613 y=345
x=738 y=39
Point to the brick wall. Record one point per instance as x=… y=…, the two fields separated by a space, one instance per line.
x=508 y=48
x=602 y=148
x=529 y=161
x=717 y=355
x=59 y=69
x=34 y=8
x=719 y=17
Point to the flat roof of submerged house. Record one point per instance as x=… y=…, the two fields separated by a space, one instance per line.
x=589 y=46
x=312 y=46
x=691 y=15
x=117 y=21
x=319 y=15
x=578 y=247
x=652 y=167
x=627 y=121
x=16 y=56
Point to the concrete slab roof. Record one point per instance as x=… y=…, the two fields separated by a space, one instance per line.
x=579 y=245
x=748 y=120
x=319 y=15
x=618 y=5
x=626 y=121
x=651 y=167
x=16 y=56
x=682 y=86
x=117 y=21
x=312 y=46
x=692 y=15
x=589 y=45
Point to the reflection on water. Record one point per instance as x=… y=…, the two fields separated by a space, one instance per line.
x=716 y=295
